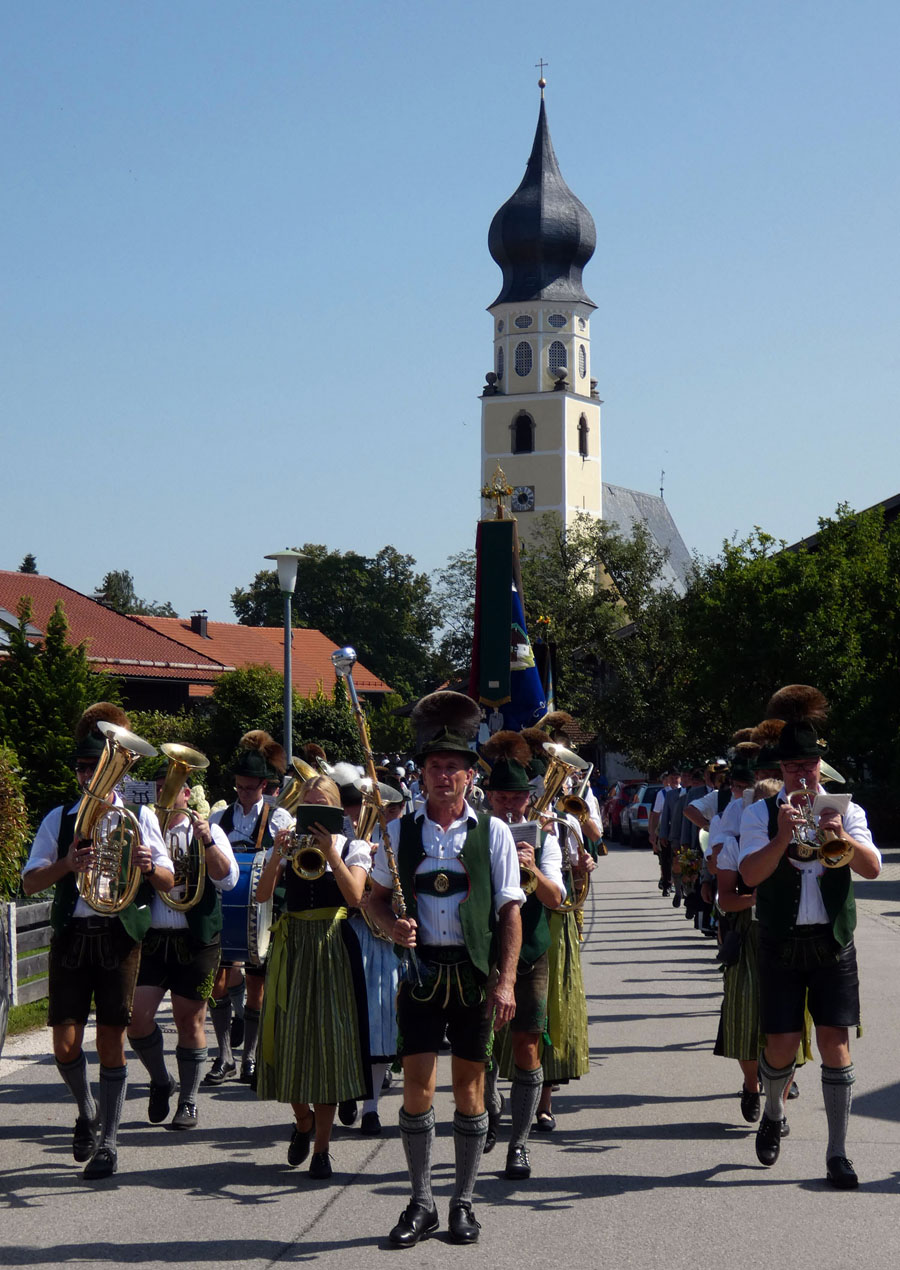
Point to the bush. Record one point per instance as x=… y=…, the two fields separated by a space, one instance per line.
x=14 y=829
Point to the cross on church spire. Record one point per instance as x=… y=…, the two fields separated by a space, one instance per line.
x=542 y=83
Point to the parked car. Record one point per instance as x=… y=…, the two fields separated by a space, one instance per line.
x=620 y=795
x=635 y=818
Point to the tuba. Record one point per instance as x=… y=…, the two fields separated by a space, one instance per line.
x=190 y=860
x=110 y=882
x=291 y=795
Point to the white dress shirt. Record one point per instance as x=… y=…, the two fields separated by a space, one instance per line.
x=755 y=836
x=245 y=826
x=44 y=848
x=438 y=915
x=162 y=917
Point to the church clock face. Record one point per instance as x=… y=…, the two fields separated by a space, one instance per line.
x=522 y=498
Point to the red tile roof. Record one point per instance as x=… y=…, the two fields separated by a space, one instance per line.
x=264 y=646
x=123 y=646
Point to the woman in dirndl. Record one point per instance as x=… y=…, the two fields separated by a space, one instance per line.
x=314 y=1025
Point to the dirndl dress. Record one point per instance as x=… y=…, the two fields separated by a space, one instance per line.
x=314 y=1036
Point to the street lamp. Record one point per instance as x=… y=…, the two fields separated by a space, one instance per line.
x=286 y=563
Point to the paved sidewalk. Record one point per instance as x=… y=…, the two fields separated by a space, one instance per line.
x=651 y=1164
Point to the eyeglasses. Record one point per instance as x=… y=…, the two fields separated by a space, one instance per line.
x=85 y=767
x=804 y=765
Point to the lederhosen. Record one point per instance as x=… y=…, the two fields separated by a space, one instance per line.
x=260 y=839
x=796 y=960
x=451 y=996
x=185 y=960
x=95 y=957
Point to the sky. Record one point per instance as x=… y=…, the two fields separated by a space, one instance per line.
x=245 y=270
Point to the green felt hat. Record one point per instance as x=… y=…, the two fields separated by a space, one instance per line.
x=508 y=776
x=799 y=740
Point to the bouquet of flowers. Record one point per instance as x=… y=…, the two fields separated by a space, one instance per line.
x=198 y=801
x=689 y=862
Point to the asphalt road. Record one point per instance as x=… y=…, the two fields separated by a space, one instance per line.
x=651 y=1164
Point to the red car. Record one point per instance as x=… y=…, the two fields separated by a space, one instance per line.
x=620 y=795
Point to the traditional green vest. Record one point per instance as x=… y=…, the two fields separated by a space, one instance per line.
x=778 y=897
x=476 y=912
x=135 y=918
x=535 y=922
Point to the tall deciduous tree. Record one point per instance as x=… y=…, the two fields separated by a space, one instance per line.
x=379 y=604
x=44 y=687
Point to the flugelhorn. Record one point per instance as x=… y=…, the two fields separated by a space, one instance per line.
x=189 y=859
x=110 y=882
x=810 y=840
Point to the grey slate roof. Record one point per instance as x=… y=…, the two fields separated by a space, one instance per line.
x=627 y=507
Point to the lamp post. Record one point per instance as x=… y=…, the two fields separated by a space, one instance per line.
x=286 y=563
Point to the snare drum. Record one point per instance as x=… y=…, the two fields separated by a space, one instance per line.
x=245 y=922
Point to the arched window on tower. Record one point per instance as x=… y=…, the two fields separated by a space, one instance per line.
x=523 y=359
x=522 y=428
x=557 y=357
x=500 y=362
x=583 y=431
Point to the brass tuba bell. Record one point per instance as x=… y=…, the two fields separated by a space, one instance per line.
x=110 y=882
x=189 y=860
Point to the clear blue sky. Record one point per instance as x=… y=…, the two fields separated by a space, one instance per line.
x=245 y=267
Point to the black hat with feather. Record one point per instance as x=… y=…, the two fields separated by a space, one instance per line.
x=260 y=756
x=802 y=708
x=445 y=722
x=89 y=740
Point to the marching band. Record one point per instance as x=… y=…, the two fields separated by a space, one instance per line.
x=370 y=928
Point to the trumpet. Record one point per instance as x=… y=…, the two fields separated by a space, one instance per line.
x=110 y=883
x=810 y=840
x=307 y=860
x=189 y=859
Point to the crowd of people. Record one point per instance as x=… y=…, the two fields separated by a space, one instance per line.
x=433 y=909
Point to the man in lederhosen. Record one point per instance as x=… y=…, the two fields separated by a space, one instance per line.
x=181 y=955
x=250 y=825
x=93 y=955
x=807 y=915
x=508 y=794
x=459 y=876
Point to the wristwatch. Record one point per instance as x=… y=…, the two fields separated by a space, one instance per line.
x=151 y=870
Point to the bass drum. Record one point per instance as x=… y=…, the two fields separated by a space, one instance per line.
x=245 y=922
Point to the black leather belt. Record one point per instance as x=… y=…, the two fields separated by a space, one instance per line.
x=441 y=883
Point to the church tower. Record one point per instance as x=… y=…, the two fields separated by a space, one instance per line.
x=540 y=414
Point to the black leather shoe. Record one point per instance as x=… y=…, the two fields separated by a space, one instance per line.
x=299 y=1146
x=416 y=1221
x=85 y=1139
x=676 y=900
x=794 y=1091
x=518 y=1165
x=248 y=1072
x=103 y=1163
x=841 y=1174
x=462 y=1224
x=158 y=1104
x=219 y=1073
x=750 y=1105
x=768 y=1140
x=320 y=1166
x=185 y=1116
x=545 y=1122
x=370 y=1124
x=347 y=1111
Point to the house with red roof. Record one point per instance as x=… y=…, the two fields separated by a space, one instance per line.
x=165 y=663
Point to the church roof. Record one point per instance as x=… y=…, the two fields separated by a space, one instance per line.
x=628 y=507
x=542 y=236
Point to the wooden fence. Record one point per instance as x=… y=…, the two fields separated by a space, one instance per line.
x=29 y=930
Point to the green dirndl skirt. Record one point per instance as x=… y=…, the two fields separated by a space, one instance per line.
x=739 y=1033
x=314 y=1043
x=567 y=1056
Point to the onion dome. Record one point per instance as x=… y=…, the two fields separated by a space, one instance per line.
x=543 y=236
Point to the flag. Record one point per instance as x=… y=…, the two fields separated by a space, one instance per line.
x=504 y=678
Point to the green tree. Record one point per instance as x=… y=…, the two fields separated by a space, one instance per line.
x=29 y=564
x=117 y=592
x=587 y=581
x=327 y=720
x=454 y=595
x=379 y=604
x=44 y=687
x=14 y=828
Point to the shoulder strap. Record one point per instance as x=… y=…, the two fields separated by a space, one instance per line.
x=261 y=827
